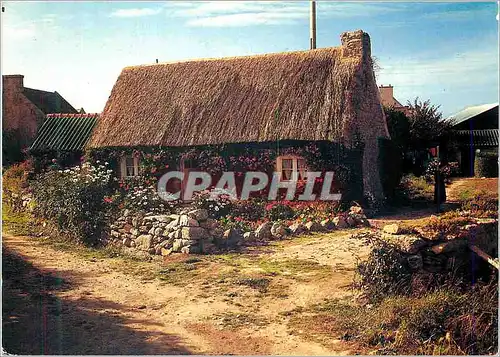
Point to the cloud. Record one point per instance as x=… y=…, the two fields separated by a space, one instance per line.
x=248 y=13
x=145 y=11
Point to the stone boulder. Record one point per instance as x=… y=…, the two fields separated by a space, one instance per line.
x=392 y=228
x=194 y=233
x=340 y=222
x=186 y=221
x=264 y=231
x=278 y=230
x=327 y=225
x=410 y=244
x=313 y=226
x=144 y=242
x=198 y=214
x=297 y=228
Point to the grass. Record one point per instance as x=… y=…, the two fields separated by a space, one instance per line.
x=472 y=187
x=441 y=322
x=17 y=223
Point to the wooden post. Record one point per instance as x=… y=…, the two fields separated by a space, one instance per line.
x=493 y=262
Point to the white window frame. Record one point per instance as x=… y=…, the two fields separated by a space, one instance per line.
x=295 y=166
x=123 y=166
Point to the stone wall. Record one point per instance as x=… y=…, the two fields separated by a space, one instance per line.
x=448 y=254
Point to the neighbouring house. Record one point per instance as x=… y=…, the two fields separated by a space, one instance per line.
x=63 y=137
x=388 y=100
x=23 y=111
x=475 y=134
x=290 y=112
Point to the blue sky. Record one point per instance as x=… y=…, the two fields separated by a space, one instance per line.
x=445 y=52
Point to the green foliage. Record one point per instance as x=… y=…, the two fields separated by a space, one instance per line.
x=217 y=205
x=249 y=210
x=74 y=200
x=14 y=143
x=486 y=164
x=398 y=125
x=15 y=183
x=277 y=211
x=384 y=273
x=481 y=205
x=426 y=124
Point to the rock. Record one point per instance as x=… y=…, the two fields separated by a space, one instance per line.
x=340 y=222
x=177 y=245
x=158 y=250
x=159 y=218
x=152 y=251
x=450 y=246
x=143 y=229
x=166 y=243
x=313 y=226
x=144 y=241
x=173 y=216
x=327 y=224
x=351 y=221
x=152 y=231
x=232 y=237
x=392 y=228
x=209 y=223
x=249 y=236
x=158 y=231
x=410 y=244
x=217 y=233
x=198 y=214
x=297 y=228
x=356 y=210
x=166 y=252
x=278 y=230
x=115 y=234
x=175 y=234
x=136 y=221
x=134 y=232
x=193 y=233
x=415 y=262
x=264 y=231
x=126 y=242
x=172 y=225
x=191 y=249
x=185 y=221
x=132 y=244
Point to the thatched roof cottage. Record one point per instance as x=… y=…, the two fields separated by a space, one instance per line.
x=326 y=95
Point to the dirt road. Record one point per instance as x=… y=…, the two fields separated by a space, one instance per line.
x=59 y=302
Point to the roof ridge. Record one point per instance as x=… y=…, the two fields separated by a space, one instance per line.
x=229 y=58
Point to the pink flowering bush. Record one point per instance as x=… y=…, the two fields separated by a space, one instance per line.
x=217 y=205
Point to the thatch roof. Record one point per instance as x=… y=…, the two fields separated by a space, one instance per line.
x=306 y=95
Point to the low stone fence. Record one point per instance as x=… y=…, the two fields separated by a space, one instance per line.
x=194 y=232
x=448 y=253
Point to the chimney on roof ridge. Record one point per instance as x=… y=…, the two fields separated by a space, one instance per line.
x=13 y=82
x=312 y=26
x=356 y=43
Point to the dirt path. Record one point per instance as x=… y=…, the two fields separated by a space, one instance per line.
x=233 y=304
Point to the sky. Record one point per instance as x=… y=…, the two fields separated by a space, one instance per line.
x=444 y=52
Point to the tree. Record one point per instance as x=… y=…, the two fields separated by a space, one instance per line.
x=426 y=124
x=399 y=128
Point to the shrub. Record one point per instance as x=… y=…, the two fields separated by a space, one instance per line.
x=74 y=199
x=15 y=183
x=384 y=273
x=138 y=194
x=486 y=164
x=249 y=210
x=277 y=211
x=237 y=223
x=482 y=205
x=217 y=205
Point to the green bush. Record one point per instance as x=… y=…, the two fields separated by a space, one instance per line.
x=74 y=200
x=486 y=164
x=249 y=210
x=15 y=183
x=277 y=211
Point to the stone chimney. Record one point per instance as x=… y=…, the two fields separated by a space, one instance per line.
x=387 y=95
x=356 y=43
x=13 y=82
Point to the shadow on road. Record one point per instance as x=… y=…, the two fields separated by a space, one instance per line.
x=36 y=321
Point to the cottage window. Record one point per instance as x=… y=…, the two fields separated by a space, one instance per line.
x=129 y=166
x=288 y=165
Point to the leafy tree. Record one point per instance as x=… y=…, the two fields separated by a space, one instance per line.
x=399 y=128
x=426 y=124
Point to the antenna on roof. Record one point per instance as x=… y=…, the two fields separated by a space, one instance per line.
x=312 y=25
